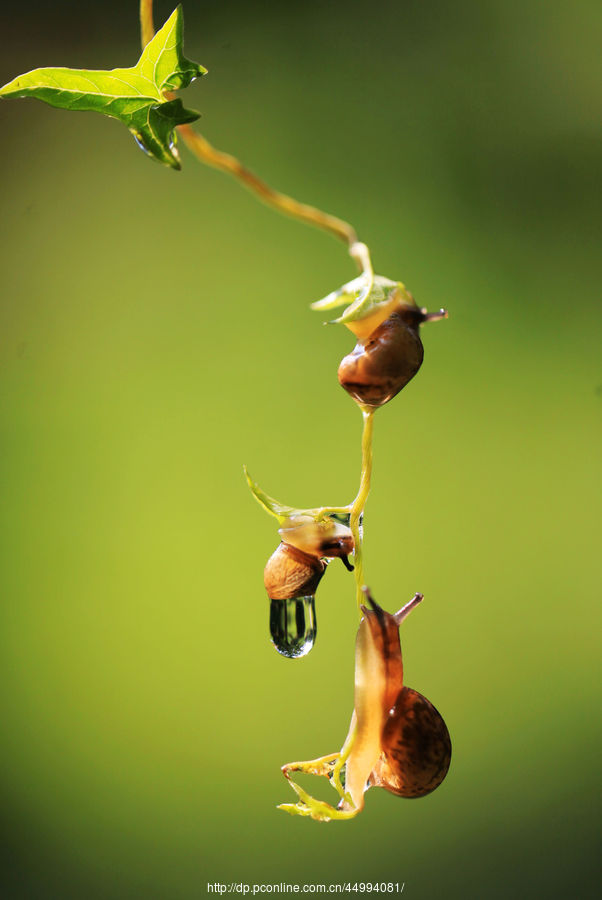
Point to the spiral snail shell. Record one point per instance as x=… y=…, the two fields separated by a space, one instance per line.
x=416 y=748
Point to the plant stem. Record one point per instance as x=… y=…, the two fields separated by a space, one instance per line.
x=225 y=162
x=359 y=503
x=208 y=154
x=147 y=25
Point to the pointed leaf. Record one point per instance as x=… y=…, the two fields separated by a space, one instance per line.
x=163 y=61
x=341 y=297
x=282 y=512
x=134 y=96
x=272 y=506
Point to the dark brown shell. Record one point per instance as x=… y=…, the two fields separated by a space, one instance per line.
x=416 y=748
x=378 y=368
x=290 y=572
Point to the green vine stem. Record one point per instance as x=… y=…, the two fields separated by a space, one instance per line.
x=358 y=506
x=147 y=22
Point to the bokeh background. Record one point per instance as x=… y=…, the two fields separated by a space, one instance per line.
x=155 y=335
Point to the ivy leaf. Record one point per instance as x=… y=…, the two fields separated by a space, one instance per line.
x=134 y=96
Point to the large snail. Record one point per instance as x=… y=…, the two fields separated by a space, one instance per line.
x=402 y=743
x=397 y=740
x=292 y=575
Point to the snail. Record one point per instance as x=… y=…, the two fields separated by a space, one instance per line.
x=387 y=355
x=397 y=740
x=292 y=575
x=402 y=743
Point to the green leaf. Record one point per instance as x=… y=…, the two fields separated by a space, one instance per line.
x=273 y=507
x=364 y=296
x=343 y=296
x=282 y=512
x=134 y=96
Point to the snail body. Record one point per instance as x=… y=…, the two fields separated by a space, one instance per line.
x=323 y=539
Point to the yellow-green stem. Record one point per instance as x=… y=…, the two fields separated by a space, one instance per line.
x=225 y=162
x=147 y=25
x=359 y=503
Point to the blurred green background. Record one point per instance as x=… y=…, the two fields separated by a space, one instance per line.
x=155 y=334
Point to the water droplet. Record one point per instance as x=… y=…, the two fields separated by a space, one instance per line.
x=141 y=143
x=293 y=625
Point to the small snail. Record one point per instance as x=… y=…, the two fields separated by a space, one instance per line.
x=397 y=740
x=385 y=359
x=292 y=575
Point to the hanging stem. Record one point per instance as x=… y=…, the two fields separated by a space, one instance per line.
x=147 y=25
x=225 y=162
x=208 y=154
x=359 y=503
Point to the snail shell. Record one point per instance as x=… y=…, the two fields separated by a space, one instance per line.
x=290 y=572
x=382 y=364
x=416 y=748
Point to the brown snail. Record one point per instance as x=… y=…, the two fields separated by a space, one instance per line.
x=397 y=740
x=386 y=356
x=402 y=743
x=292 y=575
